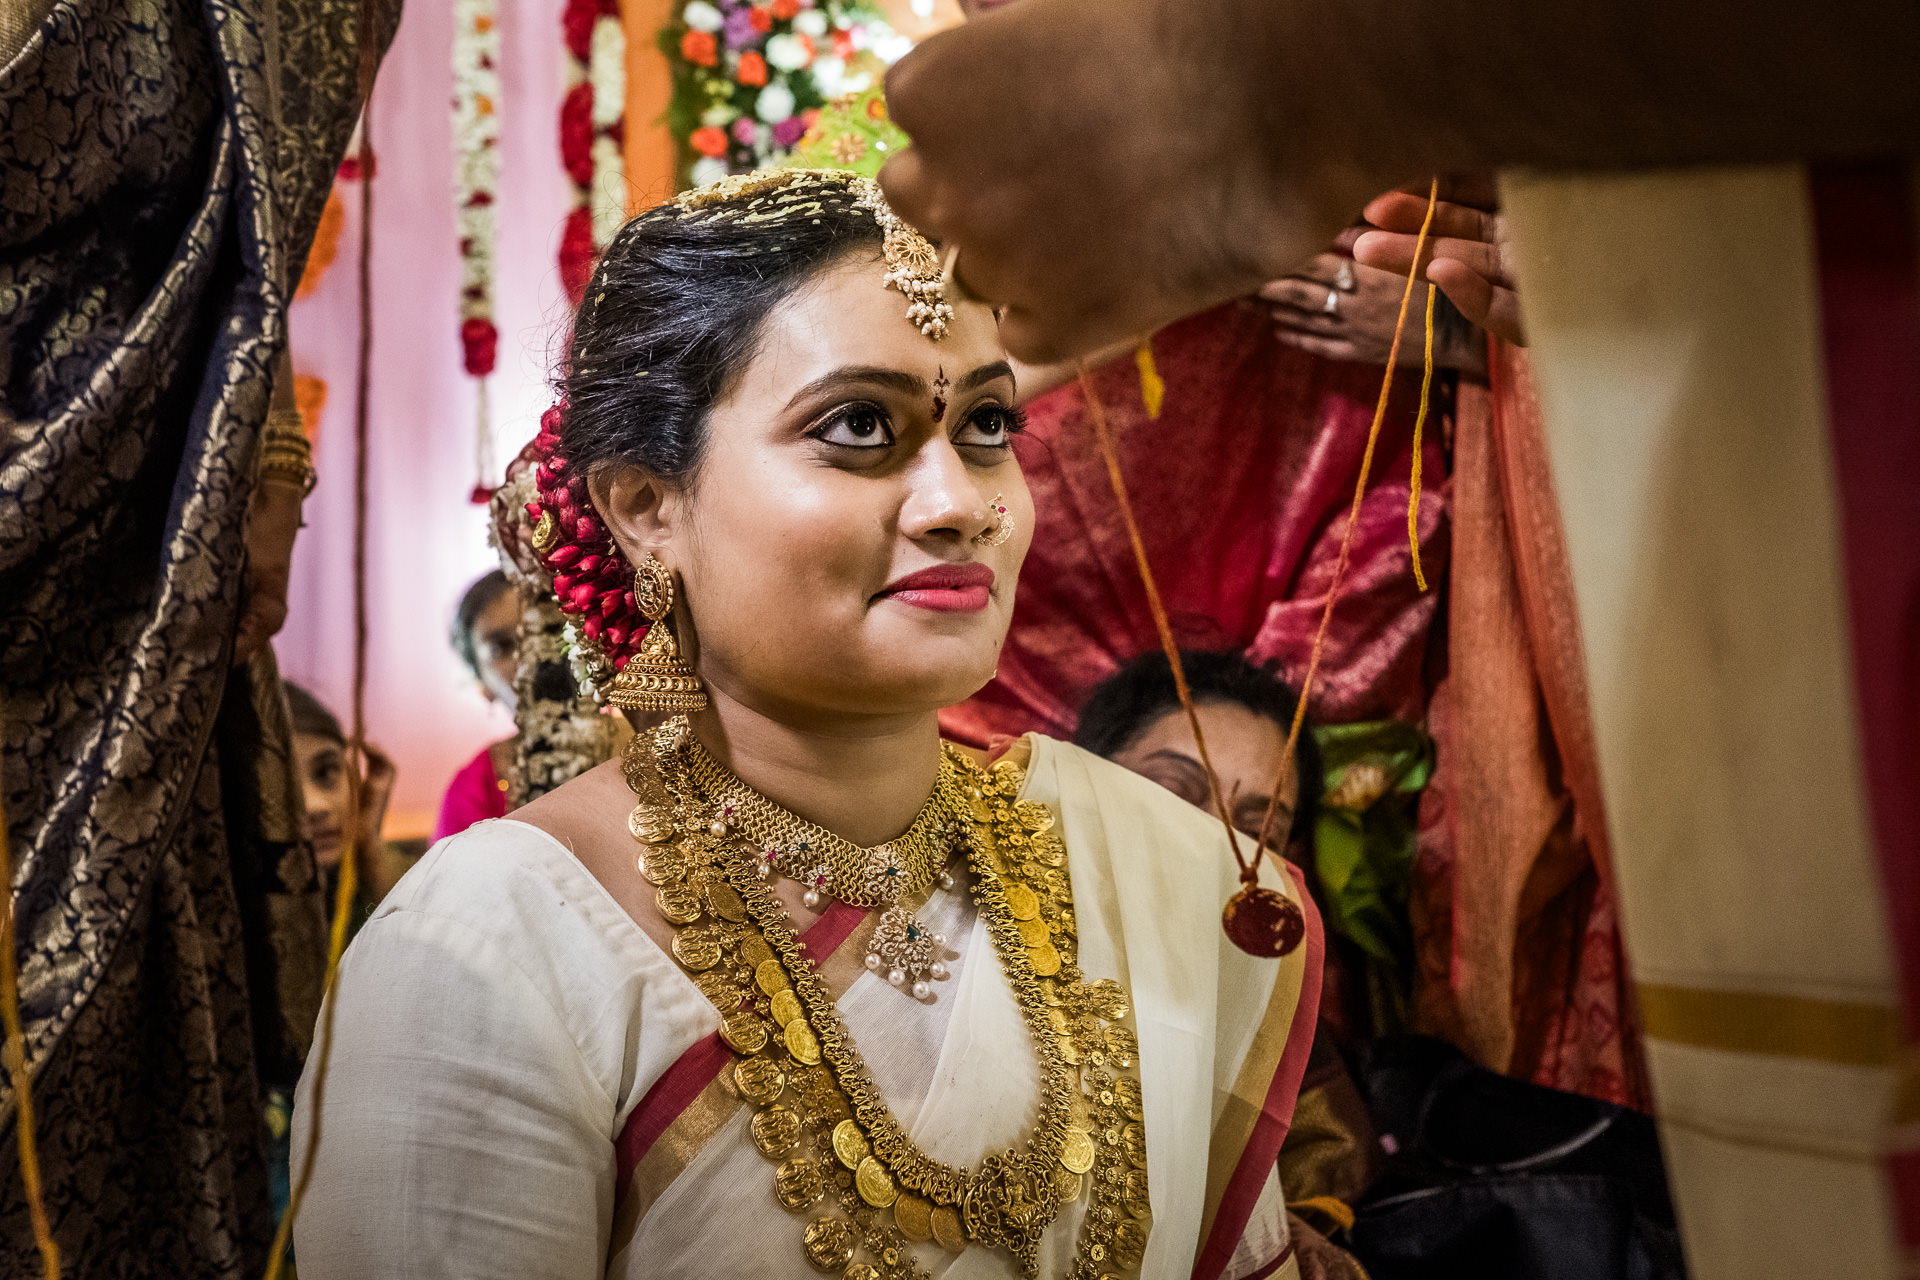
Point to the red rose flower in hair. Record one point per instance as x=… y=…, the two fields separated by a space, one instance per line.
x=752 y=69
x=698 y=47
x=709 y=140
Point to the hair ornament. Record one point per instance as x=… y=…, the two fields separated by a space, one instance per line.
x=913 y=265
x=775 y=195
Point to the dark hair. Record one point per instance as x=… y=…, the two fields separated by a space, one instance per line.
x=674 y=312
x=311 y=717
x=1121 y=707
x=484 y=591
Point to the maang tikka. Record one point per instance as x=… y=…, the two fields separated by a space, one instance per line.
x=657 y=678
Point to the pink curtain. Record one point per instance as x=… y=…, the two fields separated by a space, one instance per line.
x=426 y=541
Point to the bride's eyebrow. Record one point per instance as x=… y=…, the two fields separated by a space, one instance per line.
x=861 y=375
x=984 y=374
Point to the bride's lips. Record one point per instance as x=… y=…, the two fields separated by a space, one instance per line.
x=946 y=588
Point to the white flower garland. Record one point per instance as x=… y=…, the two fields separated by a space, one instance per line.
x=607 y=72
x=476 y=174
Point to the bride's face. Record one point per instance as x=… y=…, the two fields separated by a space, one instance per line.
x=833 y=541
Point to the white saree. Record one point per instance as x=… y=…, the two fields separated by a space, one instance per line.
x=525 y=1085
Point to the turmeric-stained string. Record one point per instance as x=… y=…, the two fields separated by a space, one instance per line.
x=15 y=1053
x=1419 y=421
x=1154 y=606
x=357 y=746
x=1346 y=538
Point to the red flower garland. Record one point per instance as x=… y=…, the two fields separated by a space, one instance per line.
x=591 y=578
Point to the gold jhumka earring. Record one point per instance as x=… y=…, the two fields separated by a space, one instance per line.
x=657 y=678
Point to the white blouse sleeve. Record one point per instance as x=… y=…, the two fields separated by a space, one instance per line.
x=463 y=1132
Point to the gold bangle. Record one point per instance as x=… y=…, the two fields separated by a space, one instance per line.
x=286 y=426
x=278 y=462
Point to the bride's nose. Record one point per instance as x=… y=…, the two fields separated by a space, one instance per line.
x=943 y=499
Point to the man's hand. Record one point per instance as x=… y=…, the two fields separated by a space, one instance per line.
x=272 y=522
x=1466 y=254
x=1055 y=143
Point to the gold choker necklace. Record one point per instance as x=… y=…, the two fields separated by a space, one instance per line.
x=902 y=869
x=821 y=1116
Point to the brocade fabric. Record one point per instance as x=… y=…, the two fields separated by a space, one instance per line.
x=162 y=168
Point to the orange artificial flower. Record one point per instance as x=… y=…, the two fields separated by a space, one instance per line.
x=752 y=69
x=698 y=47
x=710 y=140
x=762 y=20
x=786 y=10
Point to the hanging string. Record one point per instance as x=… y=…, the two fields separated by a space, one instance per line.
x=1160 y=622
x=15 y=1053
x=357 y=745
x=1419 y=421
x=1285 y=770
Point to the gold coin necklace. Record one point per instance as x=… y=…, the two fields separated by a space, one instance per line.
x=820 y=1116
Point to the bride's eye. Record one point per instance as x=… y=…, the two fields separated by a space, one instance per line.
x=990 y=426
x=855 y=426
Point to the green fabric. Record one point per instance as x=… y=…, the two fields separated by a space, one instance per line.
x=1364 y=847
x=852 y=132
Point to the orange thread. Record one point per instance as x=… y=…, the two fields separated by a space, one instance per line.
x=1419 y=421
x=1159 y=612
x=16 y=1061
x=1346 y=538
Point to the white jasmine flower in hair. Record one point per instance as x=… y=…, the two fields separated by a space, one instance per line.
x=702 y=16
x=810 y=22
x=708 y=170
x=787 y=52
x=775 y=102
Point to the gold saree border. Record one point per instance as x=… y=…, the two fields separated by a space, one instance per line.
x=697 y=1124
x=1262 y=1095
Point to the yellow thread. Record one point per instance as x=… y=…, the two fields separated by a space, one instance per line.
x=1346 y=539
x=16 y=1061
x=1413 y=497
x=1153 y=388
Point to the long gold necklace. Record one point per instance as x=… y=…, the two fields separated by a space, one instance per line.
x=820 y=1114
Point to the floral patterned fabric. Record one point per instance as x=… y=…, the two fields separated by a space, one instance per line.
x=162 y=169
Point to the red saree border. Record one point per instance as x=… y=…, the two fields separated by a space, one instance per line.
x=1869 y=280
x=680 y=1084
x=1262 y=1150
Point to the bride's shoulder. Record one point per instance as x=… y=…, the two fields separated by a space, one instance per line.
x=530 y=874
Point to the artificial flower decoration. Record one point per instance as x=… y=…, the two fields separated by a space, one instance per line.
x=749 y=75
x=700 y=48
x=774 y=104
x=789 y=52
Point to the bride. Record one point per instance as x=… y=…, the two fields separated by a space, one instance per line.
x=795 y=988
